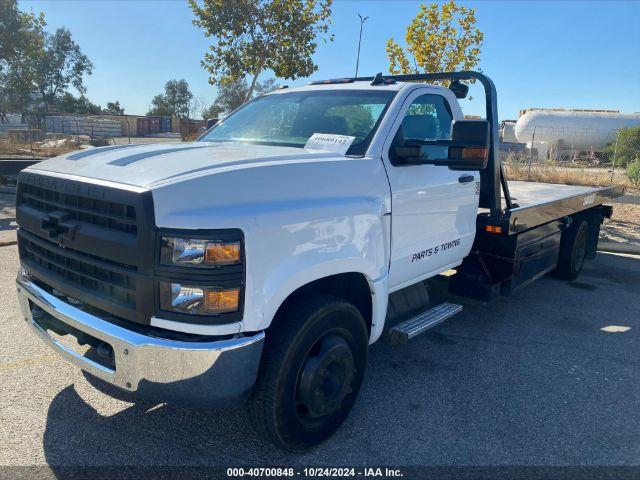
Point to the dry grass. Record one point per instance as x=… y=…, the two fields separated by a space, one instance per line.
x=35 y=150
x=549 y=173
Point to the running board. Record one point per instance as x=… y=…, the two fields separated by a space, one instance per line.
x=405 y=331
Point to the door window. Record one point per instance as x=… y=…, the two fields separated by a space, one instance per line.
x=427 y=118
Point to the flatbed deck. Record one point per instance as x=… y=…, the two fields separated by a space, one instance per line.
x=538 y=203
x=528 y=194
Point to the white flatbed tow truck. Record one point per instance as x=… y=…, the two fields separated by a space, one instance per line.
x=263 y=260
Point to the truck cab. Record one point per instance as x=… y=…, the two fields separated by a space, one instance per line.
x=262 y=260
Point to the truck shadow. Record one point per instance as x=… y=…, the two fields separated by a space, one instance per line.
x=146 y=434
x=491 y=385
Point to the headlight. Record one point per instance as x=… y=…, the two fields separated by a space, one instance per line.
x=197 y=300
x=199 y=253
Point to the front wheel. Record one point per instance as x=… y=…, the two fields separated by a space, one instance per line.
x=310 y=374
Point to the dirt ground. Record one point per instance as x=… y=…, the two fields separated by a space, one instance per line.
x=624 y=226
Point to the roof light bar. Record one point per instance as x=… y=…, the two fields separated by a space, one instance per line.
x=331 y=81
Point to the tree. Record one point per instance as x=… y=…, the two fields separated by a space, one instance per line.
x=441 y=38
x=633 y=171
x=16 y=30
x=15 y=94
x=159 y=106
x=68 y=103
x=212 y=111
x=174 y=102
x=114 y=108
x=626 y=149
x=38 y=68
x=21 y=41
x=251 y=36
x=61 y=64
x=233 y=95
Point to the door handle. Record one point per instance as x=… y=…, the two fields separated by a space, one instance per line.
x=466 y=178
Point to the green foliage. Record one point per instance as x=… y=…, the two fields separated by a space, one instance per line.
x=68 y=103
x=441 y=38
x=251 y=36
x=36 y=68
x=233 y=95
x=160 y=106
x=212 y=111
x=21 y=42
x=15 y=94
x=113 y=108
x=633 y=172
x=59 y=65
x=627 y=149
x=16 y=30
x=176 y=100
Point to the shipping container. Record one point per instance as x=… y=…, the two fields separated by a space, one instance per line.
x=165 y=124
x=148 y=126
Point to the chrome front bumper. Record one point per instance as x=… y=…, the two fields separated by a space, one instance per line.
x=211 y=374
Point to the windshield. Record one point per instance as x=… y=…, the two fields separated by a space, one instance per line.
x=289 y=119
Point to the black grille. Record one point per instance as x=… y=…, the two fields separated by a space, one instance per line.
x=91 y=242
x=97 y=244
x=72 y=271
x=107 y=214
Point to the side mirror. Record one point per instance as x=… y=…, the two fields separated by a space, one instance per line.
x=211 y=122
x=470 y=141
x=468 y=148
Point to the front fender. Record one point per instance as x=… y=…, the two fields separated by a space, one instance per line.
x=344 y=238
x=378 y=287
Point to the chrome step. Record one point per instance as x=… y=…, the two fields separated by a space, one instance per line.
x=405 y=331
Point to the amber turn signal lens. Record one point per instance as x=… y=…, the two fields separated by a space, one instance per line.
x=221 y=301
x=226 y=253
x=474 y=153
x=493 y=229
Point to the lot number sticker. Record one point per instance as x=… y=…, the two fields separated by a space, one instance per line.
x=328 y=142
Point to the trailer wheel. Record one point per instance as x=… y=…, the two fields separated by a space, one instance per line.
x=573 y=250
x=310 y=374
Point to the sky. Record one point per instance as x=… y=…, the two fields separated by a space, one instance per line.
x=575 y=54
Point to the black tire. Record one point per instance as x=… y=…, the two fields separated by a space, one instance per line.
x=312 y=337
x=573 y=249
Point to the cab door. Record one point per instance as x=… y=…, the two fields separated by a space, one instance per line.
x=433 y=208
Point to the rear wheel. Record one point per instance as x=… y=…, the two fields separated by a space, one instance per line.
x=310 y=374
x=573 y=250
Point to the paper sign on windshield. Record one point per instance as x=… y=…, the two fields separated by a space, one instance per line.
x=328 y=142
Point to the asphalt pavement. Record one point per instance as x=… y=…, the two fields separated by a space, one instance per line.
x=547 y=377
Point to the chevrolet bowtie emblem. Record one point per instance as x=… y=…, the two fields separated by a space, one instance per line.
x=56 y=224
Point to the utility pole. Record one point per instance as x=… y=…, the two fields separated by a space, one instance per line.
x=362 y=20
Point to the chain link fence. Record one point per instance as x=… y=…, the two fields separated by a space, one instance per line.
x=50 y=135
x=47 y=135
x=575 y=156
x=33 y=137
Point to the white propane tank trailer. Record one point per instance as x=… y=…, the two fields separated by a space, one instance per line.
x=570 y=134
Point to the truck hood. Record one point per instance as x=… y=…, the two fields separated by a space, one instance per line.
x=153 y=164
